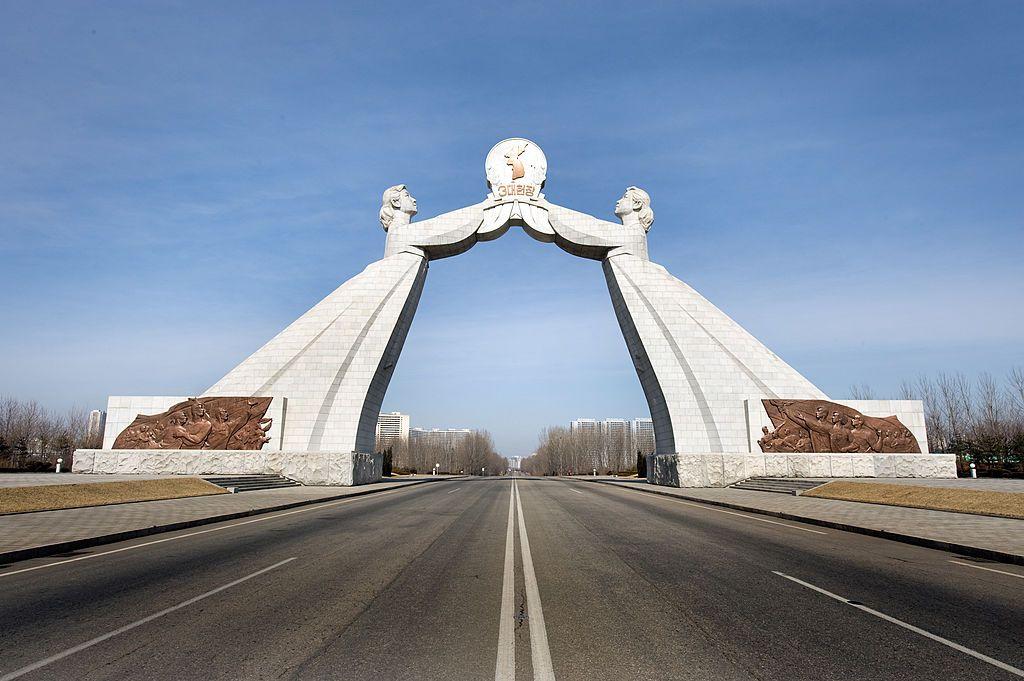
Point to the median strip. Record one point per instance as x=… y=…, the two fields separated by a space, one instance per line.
x=542 y=669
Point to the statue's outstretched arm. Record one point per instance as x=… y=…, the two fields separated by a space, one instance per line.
x=449 y=228
x=439 y=237
x=584 y=235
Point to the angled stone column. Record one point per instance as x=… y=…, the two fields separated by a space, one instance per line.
x=334 y=362
x=696 y=365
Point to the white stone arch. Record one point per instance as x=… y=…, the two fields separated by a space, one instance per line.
x=701 y=372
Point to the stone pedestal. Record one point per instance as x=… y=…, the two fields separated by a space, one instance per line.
x=722 y=470
x=309 y=468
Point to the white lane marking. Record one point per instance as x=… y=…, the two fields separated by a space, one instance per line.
x=744 y=515
x=542 y=670
x=979 y=567
x=307 y=509
x=455 y=490
x=128 y=627
x=577 y=491
x=910 y=627
x=505 y=666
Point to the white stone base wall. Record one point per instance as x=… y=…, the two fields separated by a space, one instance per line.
x=722 y=470
x=309 y=468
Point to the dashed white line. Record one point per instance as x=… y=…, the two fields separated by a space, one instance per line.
x=909 y=627
x=307 y=509
x=541 y=654
x=455 y=490
x=987 y=569
x=577 y=491
x=505 y=666
x=138 y=623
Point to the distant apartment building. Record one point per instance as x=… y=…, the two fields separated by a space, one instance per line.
x=617 y=438
x=620 y=436
x=392 y=427
x=642 y=435
x=97 y=422
x=442 y=438
x=585 y=426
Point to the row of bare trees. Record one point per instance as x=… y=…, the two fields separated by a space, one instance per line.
x=34 y=437
x=563 y=451
x=472 y=454
x=980 y=420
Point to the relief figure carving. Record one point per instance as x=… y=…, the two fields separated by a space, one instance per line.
x=240 y=423
x=807 y=426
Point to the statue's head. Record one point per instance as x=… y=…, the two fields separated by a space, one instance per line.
x=396 y=199
x=820 y=412
x=636 y=200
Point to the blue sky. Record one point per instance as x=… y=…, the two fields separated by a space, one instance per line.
x=179 y=181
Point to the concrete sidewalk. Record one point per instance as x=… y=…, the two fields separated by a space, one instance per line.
x=29 y=535
x=1000 y=539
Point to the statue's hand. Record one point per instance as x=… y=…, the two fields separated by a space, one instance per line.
x=439 y=237
x=589 y=237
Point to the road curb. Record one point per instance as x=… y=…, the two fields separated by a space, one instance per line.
x=9 y=557
x=964 y=549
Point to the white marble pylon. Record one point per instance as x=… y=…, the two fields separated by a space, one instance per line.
x=696 y=365
x=334 y=362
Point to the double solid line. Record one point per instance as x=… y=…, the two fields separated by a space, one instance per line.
x=505 y=667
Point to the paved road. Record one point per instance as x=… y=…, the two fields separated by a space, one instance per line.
x=419 y=583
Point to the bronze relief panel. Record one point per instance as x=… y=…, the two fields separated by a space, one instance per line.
x=202 y=423
x=806 y=426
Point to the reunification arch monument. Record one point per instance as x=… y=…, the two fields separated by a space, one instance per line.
x=724 y=406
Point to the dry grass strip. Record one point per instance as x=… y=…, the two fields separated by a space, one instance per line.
x=979 y=502
x=56 y=497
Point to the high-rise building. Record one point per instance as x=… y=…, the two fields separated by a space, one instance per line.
x=585 y=426
x=642 y=432
x=444 y=438
x=392 y=427
x=617 y=437
x=97 y=422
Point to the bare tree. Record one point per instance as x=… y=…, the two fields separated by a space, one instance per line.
x=861 y=392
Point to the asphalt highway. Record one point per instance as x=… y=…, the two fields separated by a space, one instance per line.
x=501 y=578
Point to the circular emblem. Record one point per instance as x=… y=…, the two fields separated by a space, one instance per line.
x=515 y=163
